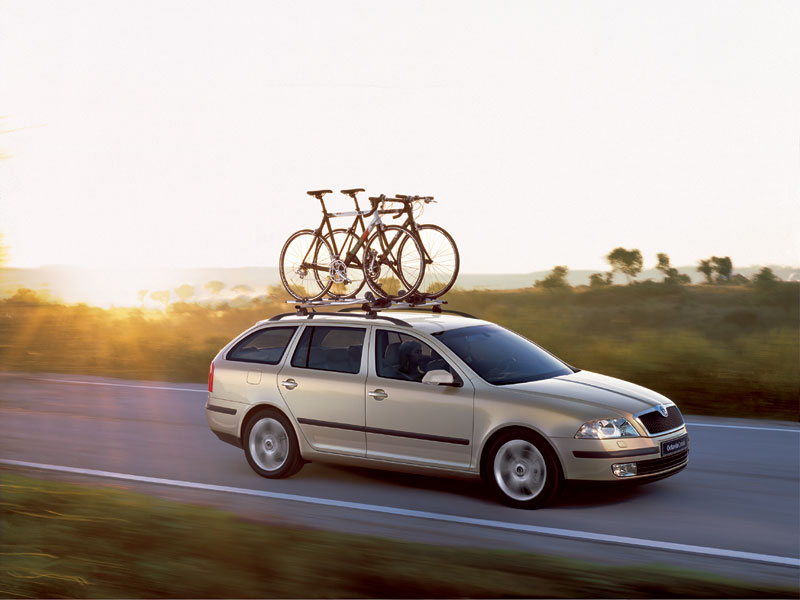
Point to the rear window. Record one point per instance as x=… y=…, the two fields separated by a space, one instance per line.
x=265 y=346
x=330 y=349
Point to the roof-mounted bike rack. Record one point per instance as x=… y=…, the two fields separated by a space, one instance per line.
x=371 y=307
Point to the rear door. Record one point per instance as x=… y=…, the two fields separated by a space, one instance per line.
x=323 y=385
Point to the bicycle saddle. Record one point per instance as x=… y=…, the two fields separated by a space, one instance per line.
x=319 y=193
x=353 y=191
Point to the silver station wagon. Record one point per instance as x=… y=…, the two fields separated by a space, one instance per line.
x=428 y=392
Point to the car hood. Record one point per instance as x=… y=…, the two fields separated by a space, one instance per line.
x=614 y=396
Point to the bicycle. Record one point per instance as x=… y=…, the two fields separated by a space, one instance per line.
x=440 y=252
x=392 y=261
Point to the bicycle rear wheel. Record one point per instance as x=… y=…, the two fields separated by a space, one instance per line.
x=305 y=265
x=386 y=272
x=441 y=261
x=347 y=273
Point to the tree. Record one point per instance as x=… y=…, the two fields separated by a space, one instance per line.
x=704 y=267
x=215 y=287
x=556 y=279
x=601 y=279
x=671 y=274
x=765 y=279
x=242 y=289
x=161 y=296
x=628 y=262
x=723 y=267
x=141 y=294
x=185 y=292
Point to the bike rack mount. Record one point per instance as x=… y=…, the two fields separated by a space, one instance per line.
x=369 y=305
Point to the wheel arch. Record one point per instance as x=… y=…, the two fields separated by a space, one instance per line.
x=539 y=437
x=257 y=409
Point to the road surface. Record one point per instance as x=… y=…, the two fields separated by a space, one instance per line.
x=734 y=510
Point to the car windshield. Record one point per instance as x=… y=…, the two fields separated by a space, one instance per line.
x=500 y=356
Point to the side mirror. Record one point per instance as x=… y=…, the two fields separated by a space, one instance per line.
x=440 y=377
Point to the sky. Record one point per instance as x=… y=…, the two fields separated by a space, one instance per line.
x=185 y=134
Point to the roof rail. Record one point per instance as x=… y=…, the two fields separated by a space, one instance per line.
x=311 y=315
x=441 y=310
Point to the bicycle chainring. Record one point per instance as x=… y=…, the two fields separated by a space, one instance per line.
x=338 y=272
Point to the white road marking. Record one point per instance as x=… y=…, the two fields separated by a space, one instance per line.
x=177 y=389
x=146 y=387
x=783 y=430
x=549 y=531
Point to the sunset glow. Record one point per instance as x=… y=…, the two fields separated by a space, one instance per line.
x=144 y=137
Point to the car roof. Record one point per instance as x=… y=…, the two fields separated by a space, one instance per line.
x=427 y=322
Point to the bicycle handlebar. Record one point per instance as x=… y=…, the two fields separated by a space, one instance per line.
x=402 y=198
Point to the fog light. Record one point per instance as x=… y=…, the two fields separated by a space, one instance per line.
x=624 y=469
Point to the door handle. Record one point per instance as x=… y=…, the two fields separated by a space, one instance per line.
x=378 y=394
x=289 y=384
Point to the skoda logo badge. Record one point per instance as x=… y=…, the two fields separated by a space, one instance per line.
x=662 y=409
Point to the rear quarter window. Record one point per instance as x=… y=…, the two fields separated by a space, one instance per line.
x=265 y=346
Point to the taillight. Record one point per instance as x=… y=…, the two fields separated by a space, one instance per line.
x=211 y=378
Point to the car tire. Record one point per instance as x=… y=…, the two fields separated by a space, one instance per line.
x=270 y=445
x=521 y=469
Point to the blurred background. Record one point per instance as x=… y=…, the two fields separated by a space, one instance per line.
x=623 y=183
x=627 y=172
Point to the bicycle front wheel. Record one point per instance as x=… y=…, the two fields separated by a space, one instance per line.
x=347 y=275
x=441 y=261
x=305 y=265
x=393 y=263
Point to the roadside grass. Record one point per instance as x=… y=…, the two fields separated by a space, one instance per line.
x=78 y=541
x=715 y=350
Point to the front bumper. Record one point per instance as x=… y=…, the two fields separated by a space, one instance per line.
x=599 y=460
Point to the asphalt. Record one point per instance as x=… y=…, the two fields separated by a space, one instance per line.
x=740 y=492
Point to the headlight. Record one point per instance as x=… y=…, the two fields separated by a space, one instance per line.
x=604 y=429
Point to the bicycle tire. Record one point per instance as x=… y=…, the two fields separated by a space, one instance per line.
x=296 y=269
x=353 y=268
x=381 y=263
x=442 y=261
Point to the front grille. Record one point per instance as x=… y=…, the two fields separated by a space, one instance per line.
x=655 y=423
x=657 y=465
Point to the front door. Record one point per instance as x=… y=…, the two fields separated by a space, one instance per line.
x=411 y=421
x=323 y=385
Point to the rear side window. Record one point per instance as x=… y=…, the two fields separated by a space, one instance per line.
x=330 y=349
x=265 y=346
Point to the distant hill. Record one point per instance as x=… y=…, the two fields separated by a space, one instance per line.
x=121 y=287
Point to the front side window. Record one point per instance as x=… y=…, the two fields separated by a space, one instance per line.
x=265 y=346
x=404 y=357
x=500 y=356
x=330 y=349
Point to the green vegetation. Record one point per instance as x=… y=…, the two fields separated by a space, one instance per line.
x=62 y=540
x=715 y=349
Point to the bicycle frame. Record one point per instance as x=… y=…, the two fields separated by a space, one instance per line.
x=350 y=259
x=410 y=223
